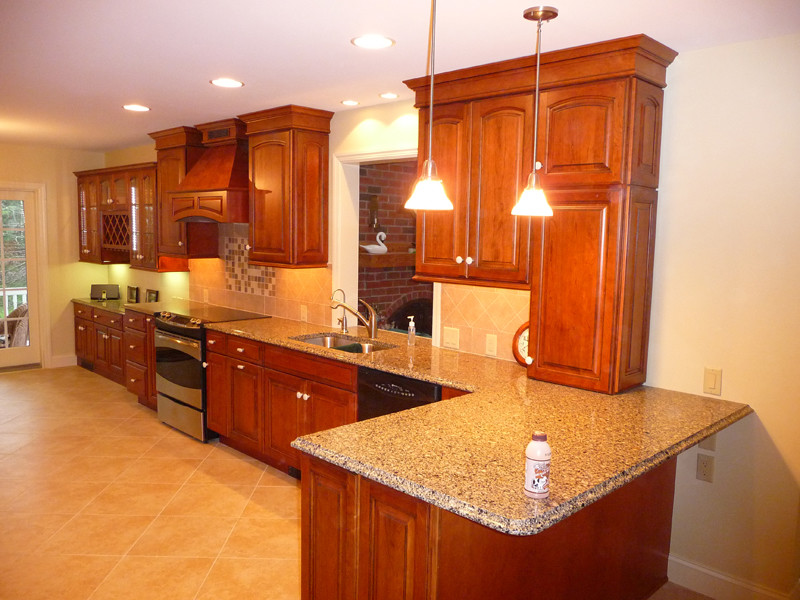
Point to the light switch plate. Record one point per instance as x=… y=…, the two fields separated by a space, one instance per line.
x=712 y=381
x=450 y=337
x=491 y=344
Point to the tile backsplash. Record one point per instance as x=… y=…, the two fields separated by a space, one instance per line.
x=231 y=281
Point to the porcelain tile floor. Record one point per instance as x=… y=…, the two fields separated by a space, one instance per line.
x=99 y=500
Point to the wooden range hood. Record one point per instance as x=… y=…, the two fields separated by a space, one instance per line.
x=216 y=187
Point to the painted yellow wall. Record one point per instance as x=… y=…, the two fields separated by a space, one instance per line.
x=131 y=156
x=727 y=295
x=66 y=277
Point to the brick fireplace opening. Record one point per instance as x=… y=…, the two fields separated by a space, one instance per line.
x=385 y=280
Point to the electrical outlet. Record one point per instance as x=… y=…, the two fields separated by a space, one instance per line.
x=450 y=337
x=705 y=467
x=710 y=443
x=491 y=344
x=712 y=381
x=304 y=313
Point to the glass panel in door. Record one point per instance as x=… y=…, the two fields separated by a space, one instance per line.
x=14 y=330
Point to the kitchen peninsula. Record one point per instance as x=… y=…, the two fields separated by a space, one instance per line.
x=429 y=503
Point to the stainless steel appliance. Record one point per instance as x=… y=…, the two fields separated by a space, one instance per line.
x=180 y=378
x=381 y=393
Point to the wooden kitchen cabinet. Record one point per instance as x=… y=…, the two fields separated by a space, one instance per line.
x=109 y=359
x=139 y=348
x=84 y=335
x=591 y=263
x=288 y=154
x=260 y=397
x=88 y=218
x=483 y=154
x=143 y=206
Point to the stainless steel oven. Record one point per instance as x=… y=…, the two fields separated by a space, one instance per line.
x=180 y=382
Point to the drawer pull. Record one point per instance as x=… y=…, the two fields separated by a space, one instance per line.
x=131 y=319
x=211 y=342
x=133 y=380
x=81 y=328
x=240 y=367
x=112 y=321
x=240 y=349
x=131 y=346
x=180 y=244
x=147 y=319
x=205 y=365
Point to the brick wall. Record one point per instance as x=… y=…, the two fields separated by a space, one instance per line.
x=384 y=189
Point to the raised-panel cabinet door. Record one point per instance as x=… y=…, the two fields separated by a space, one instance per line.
x=270 y=198
x=171 y=171
x=116 y=355
x=581 y=134
x=646 y=140
x=218 y=394
x=501 y=160
x=328 y=407
x=572 y=290
x=142 y=187
x=84 y=341
x=393 y=543
x=442 y=235
x=246 y=393
x=286 y=399
x=310 y=197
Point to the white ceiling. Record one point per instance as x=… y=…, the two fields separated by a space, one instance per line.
x=67 y=66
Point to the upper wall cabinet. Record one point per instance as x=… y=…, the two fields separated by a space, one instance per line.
x=288 y=186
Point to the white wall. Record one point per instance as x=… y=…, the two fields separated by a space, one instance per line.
x=727 y=295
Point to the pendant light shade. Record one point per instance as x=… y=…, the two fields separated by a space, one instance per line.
x=429 y=191
x=532 y=202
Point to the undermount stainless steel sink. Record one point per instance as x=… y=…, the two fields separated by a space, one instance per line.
x=342 y=343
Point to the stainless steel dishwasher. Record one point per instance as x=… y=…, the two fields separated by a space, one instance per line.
x=381 y=393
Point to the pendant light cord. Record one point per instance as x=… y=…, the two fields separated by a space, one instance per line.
x=431 y=52
x=536 y=99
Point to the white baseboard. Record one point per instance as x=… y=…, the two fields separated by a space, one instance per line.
x=721 y=586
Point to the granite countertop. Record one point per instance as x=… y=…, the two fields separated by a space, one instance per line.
x=115 y=306
x=466 y=454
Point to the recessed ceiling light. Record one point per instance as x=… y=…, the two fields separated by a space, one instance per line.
x=372 y=41
x=227 y=82
x=389 y=96
x=350 y=102
x=136 y=107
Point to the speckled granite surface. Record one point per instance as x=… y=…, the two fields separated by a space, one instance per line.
x=466 y=454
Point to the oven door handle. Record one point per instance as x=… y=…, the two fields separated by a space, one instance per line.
x=170 y=341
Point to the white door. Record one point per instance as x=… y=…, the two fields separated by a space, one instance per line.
x=19 y=308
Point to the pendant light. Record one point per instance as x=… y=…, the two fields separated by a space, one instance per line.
x=533 y=202
x=429 y=192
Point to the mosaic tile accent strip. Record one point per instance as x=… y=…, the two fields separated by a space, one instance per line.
x=240 y=276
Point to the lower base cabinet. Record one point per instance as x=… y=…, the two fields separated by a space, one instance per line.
x=260 y=406
x=361 y=539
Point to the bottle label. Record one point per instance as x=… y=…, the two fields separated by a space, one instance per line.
x=537 y=476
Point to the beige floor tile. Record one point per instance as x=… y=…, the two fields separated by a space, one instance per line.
x=123 y=445
x=264 y=538
x=154 y=578
x=240 y=578
x=177 y=445
x=91 y=426
x=50 y=577
x=144 y=425
x=274 y=477
x=30 y=467
x=201 y=536
x=93 y=468
x=212 y=499
x=144 y=499
x=22 y=533
x=160 y=470
x=56 y=497
x=245 y=471
x=274 y=503
x=97 y=534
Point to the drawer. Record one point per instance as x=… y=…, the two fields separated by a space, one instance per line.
x=136 y=379
x=83 y=311
x=245 y=349
x=136 y=346
x=109 y=319
x=137 y=320
x=215 y=341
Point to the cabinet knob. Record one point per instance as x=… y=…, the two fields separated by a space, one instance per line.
x=112 y=320
x=109 y=201
x=147 y=319
x=469 y=260
x=248 y=247
x=105 y=336
x=528 y=360
x=211 y=342
x=81 y=328
x=299 y=395
x=131 y=346
x=130 y=320
x=459 y=260
x=240 y=349
x=180 y=243
x=133 y=380
x=306 y=396
x=205 y=365
x=240 y=367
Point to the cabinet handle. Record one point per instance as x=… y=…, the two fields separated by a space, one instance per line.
x=248 y=247
x=459 y=260
x=306 y=396
x=211 y=342
x=112 y=320
x=240 y=349
x=180 y=243
x=131 y=346
x=205 y=365
x=105 y=337
x=528 y=360
x=469 y=260
x=130 y=320
x=81 y=328
x=110 y=201
x=133 y=380
x=299 y=395
x=96 y=316
x=147 y=319
x=240 y=367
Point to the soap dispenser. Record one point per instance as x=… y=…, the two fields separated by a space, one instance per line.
x=412 y=331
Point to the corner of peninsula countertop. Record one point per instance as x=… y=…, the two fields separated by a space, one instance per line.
x=466 y=454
